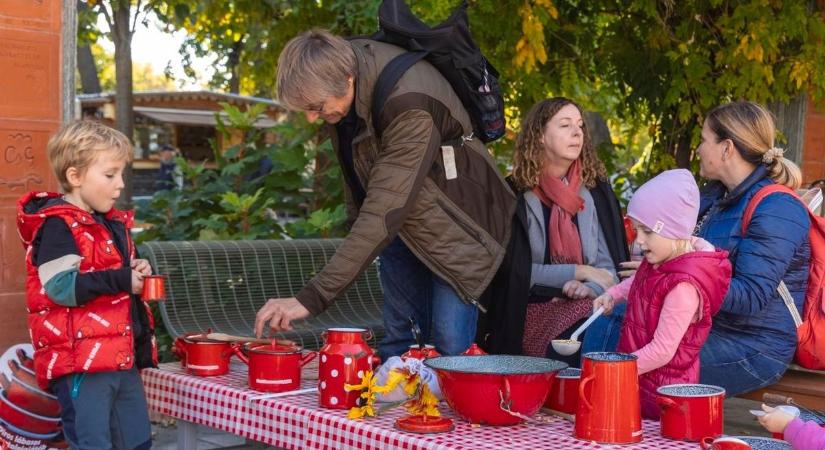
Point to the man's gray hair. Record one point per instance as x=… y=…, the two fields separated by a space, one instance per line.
x=313 y=67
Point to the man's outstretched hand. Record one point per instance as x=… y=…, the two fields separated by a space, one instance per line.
x=279 y=312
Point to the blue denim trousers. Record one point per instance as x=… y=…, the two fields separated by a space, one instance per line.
x=104 y=410
x=412 y=290
x=727 y=361
x=603 y=334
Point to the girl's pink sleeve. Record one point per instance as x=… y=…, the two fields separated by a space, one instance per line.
x=678 y=311
x=619 y=291
x=805 y=435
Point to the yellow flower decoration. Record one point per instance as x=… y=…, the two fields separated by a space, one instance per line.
x=425 y=403
x=420 y=399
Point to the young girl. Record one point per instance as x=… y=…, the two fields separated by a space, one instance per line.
x=678 y=287
x=802 y=435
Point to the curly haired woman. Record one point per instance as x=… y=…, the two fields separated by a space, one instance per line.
x=568 y=222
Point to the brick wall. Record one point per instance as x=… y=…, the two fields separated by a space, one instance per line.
x=813 y=154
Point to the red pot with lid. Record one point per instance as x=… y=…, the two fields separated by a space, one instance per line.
x=203 y=357
x=691 y=412
x=345 y=358
x=274 y=367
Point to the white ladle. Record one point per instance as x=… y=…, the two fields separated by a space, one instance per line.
x=567 y=347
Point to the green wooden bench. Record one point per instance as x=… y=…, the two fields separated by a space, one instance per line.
x=220 y=285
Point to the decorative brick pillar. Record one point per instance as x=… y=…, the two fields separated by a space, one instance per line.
x=37 y=47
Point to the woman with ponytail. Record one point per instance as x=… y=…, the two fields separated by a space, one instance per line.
x=753 y=337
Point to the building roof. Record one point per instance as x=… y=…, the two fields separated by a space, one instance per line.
x=173 y=96
x=194 y=117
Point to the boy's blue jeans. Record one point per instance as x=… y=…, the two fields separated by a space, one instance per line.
x=107 y=411
x=412 y=290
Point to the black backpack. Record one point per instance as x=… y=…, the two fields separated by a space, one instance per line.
x=450 y=48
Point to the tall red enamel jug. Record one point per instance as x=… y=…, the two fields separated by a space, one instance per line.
x=608 y=410
x=345 y=357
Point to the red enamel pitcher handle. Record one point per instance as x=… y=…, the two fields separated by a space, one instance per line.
x=582 y=398
x=307 y=358
x=179 y=349
x=665 y=402
x=706 y=443
x=238 y=351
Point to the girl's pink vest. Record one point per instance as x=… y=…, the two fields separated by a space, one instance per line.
x=709 y=273
x=95 y=337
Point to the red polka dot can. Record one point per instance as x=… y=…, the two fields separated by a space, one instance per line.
x=345 y=357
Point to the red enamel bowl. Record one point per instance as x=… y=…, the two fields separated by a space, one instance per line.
x=494 y=389
x=20 y=418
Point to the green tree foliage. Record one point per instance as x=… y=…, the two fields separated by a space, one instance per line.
x=234 y=200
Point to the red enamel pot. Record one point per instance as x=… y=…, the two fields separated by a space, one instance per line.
x=203 y=357
x=494 y=389
x=415 y=352
x=564 y=393
x=274 y=367
x=691 y=412
x=24 y=420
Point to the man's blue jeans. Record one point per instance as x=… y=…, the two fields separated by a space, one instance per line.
x=603 y=334
x=412 y=290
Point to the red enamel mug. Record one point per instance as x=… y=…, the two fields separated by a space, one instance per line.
x=608 y=409
x=691 y=412
x=564 y=393
x=274 y=367
x=203 y=357
x=154 y=288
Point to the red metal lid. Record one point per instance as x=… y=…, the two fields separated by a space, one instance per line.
x=273 y=348
x=424 y=424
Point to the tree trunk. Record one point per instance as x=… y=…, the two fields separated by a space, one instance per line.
x=89 y=81
x=683 y=151
x=233 y=64
x=124 y=113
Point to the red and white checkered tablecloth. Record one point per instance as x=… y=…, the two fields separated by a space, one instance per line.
x=297 y=422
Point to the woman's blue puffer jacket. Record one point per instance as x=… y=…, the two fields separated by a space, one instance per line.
x=776 y=247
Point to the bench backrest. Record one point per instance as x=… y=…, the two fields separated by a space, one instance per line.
x=220 y=285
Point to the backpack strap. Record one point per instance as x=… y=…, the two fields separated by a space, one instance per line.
x=387 y=80
x=746 y=220
x=757 y=199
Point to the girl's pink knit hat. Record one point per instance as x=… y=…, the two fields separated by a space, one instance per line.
x=668 y=204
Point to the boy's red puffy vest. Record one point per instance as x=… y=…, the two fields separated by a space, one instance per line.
x=709 y=273
x=95 y=337
x=810 y=350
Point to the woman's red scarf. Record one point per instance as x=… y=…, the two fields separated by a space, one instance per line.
x=564 y=202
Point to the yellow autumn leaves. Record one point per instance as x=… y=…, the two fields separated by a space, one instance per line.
x=530 y=49
x=420 y=399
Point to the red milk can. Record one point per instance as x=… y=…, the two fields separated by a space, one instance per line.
x=345 y=357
